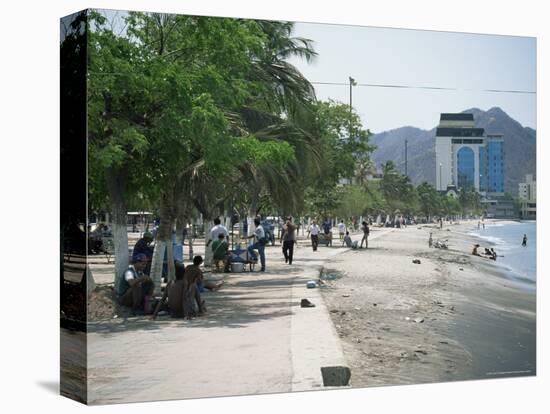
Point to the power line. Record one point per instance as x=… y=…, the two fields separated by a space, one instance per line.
x=369 y=85
x=381 y=85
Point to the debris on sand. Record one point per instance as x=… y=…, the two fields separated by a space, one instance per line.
x=305 y=303
x=311 y=284
x=419 y=320
x=416 y=261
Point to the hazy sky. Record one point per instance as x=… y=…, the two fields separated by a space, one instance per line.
x=421 y=58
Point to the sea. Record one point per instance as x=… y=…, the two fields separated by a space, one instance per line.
x=506 y=238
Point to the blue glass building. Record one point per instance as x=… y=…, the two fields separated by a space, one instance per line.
x=465 y=168
x=494 y=163
x=466 y=157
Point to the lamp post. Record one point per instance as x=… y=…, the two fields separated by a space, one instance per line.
x=352 y=83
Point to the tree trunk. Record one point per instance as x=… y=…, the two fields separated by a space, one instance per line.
x=252 y=211
x=116 y=185
x=208 y=255
x=163 y=241
x=170 y=259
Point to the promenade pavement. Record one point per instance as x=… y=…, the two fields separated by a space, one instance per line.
x=255 y=339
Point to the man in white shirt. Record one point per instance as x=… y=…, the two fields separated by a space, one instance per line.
x=216 y=231
x=341 y=229
x=259 y=244
x=314 y=230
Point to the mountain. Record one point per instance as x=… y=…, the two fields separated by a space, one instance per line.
x=519 y=148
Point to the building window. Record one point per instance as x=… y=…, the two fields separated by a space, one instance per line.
x=465 y=168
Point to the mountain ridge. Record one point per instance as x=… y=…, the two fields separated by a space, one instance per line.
x=519 y=147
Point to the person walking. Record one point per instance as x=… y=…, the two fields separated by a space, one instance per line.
x=524 y=242
x=289 y=239
x=366 y=231
x=314 y=230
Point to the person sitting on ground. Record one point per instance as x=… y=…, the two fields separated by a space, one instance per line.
x=193 y=275
x=348 y=242
x=173 y=298
x=133 y=286
x=474 y=251
x=220 y=253
x=143 y=246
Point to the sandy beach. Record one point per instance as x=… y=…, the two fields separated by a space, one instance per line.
x=452 y=317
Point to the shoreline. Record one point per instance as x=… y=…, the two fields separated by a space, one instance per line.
x=472 y=319
x=527 y=282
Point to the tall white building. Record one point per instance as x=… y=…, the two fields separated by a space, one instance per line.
x=527 y=192
x=466 y=158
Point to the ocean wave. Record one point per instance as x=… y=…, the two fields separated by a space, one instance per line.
x=492 y=239
x=507 y=223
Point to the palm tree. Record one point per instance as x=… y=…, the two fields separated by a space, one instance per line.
x=282 y=110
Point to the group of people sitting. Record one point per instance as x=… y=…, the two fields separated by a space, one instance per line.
x=182 y=296
x=489 y=253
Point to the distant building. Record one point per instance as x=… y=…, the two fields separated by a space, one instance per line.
x=500 y=207
x=528 y=198
x=466 y=158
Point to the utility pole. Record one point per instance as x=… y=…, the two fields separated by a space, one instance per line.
x=352 y=83
x=406 y=170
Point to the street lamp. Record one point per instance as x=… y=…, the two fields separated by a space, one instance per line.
x=352 y=83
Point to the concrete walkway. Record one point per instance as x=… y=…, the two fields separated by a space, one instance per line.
x=255 y=339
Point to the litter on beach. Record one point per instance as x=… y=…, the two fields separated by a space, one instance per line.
x=305 y=303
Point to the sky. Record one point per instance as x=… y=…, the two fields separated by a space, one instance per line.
x=470 y=63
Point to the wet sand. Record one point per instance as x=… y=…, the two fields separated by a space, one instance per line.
x=452 y=317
